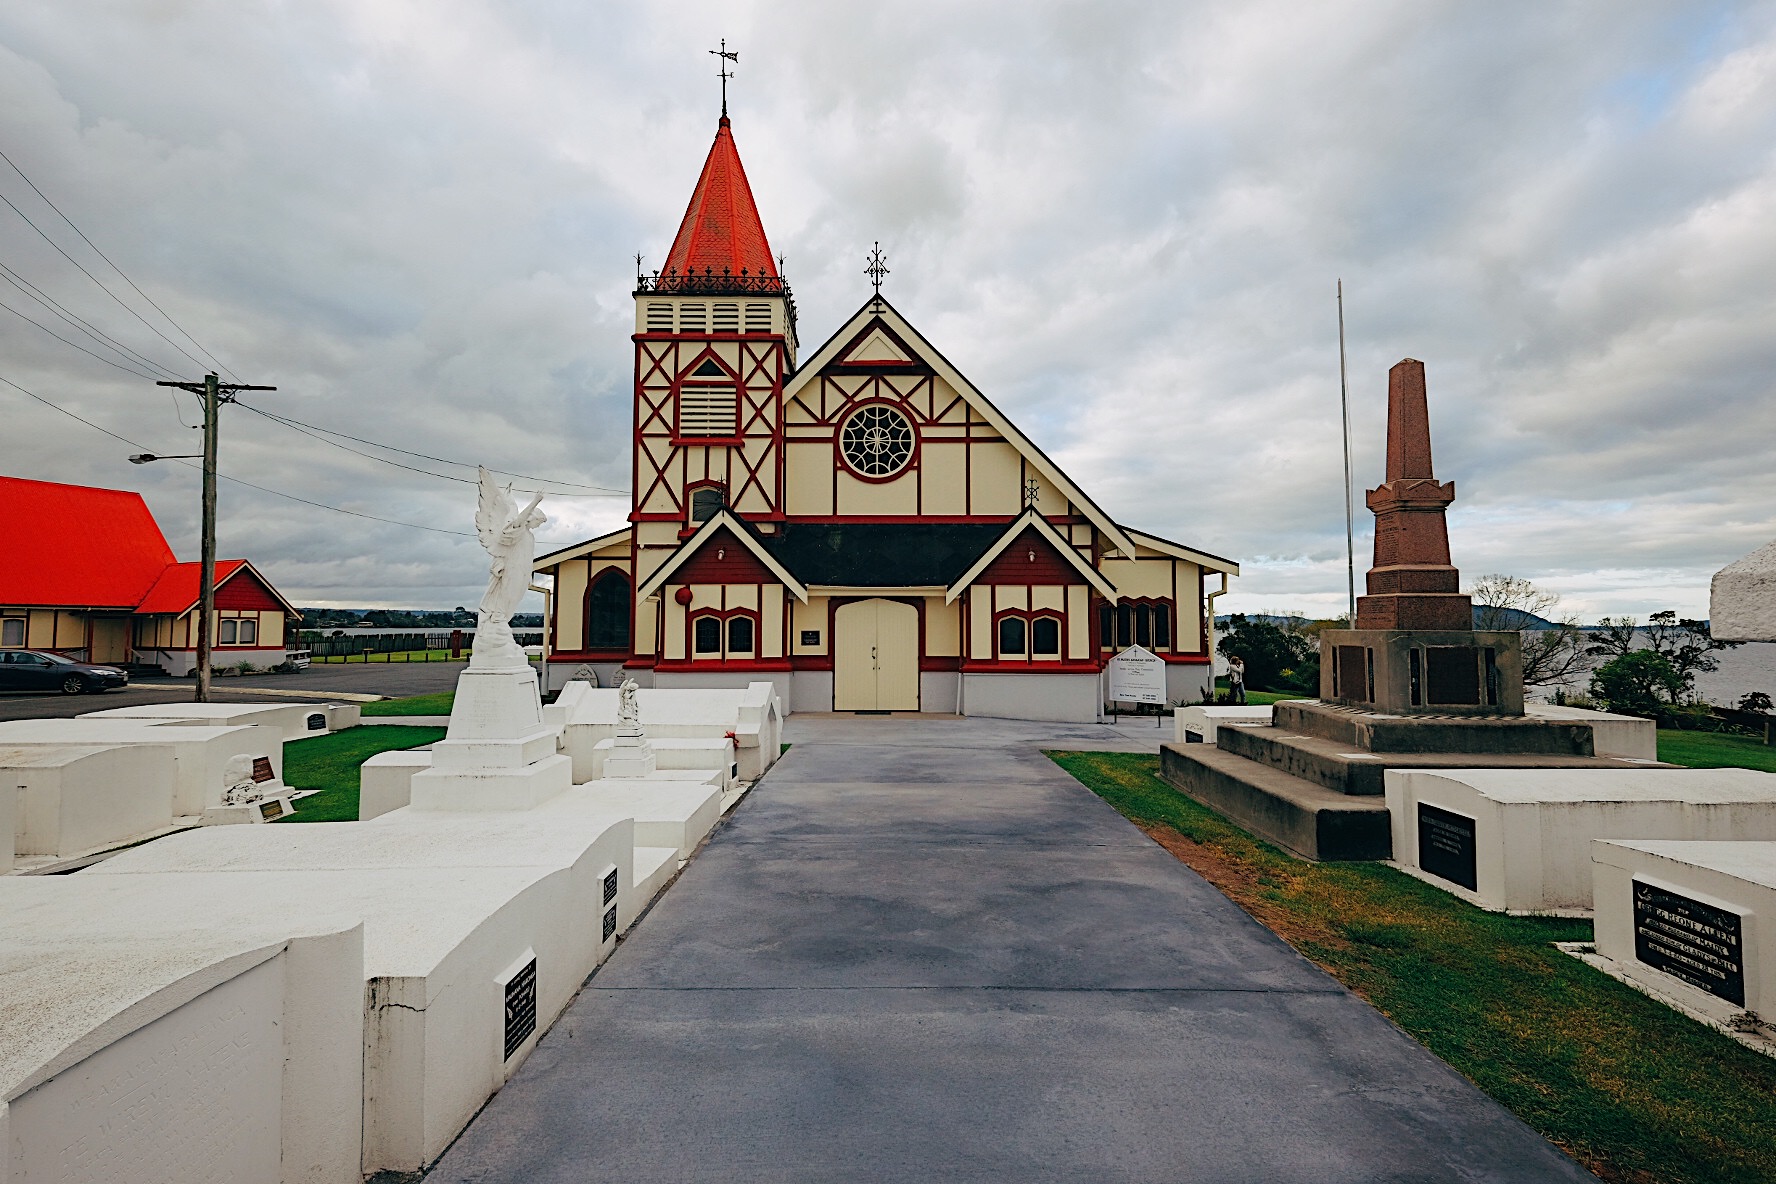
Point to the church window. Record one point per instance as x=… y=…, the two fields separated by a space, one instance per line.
x=706 y=633
x=877 y=441
x=727 y=318
x=691 y=318
x=705 y=502
x=1125 y=626
x=1162 y=626
x=737 y=628
x=739 y=635
x=1011 y=636
x=607 y=612
x=659 y=318
x=1144 y=626
x=1045 y=636
x=758 y=318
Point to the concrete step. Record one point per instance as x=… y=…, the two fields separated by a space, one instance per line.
x=1307 y=819
x=1370 y=731
x=1335 y=766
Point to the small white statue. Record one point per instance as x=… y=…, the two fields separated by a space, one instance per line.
x=508 y=534
x=239 y=788
x=628 y=709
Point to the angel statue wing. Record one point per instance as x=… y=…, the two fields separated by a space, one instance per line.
x=493 y=511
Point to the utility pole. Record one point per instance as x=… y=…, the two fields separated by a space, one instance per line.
x=214 y=393
x=1350 y=546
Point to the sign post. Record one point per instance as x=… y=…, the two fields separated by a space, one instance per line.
x=1138 y=676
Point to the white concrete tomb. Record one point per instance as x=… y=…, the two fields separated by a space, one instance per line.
x=295 y=720
x=1196 y=725
x=1519 y=840
x=200 y=754
x=74 y=799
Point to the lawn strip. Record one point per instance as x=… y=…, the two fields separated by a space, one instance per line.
x=330 y=764
x=1715 y=750
x=1632 y=1089
x=437 y=703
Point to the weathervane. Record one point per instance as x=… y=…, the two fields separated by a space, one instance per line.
x=877 y=268
x=726 y=56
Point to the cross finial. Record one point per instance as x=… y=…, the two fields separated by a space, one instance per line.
x=1032 y=491
x=639 y=274
x=725 y=55
x=877 y=268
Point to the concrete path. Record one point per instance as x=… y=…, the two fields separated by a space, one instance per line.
x=919 y=951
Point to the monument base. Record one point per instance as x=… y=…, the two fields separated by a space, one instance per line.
x=516 y=788
x=1423 y=671
x=498 y=754
x=630 y=757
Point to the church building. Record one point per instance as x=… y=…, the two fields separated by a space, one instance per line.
x=859 y=524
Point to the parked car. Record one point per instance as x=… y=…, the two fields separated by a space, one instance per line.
x=38 y=670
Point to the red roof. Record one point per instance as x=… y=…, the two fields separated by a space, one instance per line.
x=72 y=546
x=77 y=547
x=721 y=228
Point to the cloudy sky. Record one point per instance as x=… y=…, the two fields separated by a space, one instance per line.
x=1122 y=219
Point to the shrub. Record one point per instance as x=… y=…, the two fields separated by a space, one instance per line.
x=1639 y=682
x=1276 y=660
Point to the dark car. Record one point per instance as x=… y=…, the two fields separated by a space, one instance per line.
x=36 y=670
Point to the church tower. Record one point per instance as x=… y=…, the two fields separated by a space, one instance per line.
x=714 y=338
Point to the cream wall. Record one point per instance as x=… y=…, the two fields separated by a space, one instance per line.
x=47 y=629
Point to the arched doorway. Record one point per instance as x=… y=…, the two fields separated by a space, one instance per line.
x=876 y=656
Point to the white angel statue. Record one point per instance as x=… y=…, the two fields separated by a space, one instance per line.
x=508 y=534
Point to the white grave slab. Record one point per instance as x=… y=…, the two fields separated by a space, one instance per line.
x=164 y=1035
x=754 y=716
x=1196 y=725
x=1693 y=921
x=1519 y=840
x=674 y=814
x=75 y=799
x=701 y=755
x=200 y=753
x=385 y=781
x=1611 y=735
x=290 y=718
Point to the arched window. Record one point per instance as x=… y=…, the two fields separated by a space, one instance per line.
x=739 y=635
x=1011 y=636
x=607 y=612
x=706 y=636
x=1045 y=636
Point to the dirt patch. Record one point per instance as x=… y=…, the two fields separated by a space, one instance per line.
x=1243 y=884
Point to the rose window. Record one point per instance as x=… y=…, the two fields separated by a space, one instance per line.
x=877 y=441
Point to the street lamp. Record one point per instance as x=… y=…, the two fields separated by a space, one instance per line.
x=142 y=458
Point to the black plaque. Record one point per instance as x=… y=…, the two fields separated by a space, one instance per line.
x=1351 y=672
x=1446 y=845
x=317 y=722
x=1452 y=675
x=810 y=637
x=1689 y=940
x=610 y=923
x=521 y=1007
x=610 y=886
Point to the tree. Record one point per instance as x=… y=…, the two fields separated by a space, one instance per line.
x=1641 y=682
x=1552 y=653
x=1275 y=658
x=1685 y=644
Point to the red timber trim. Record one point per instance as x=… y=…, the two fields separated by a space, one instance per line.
x=1029 y=560
x=723 y=559
x=1184 y=659
x=929 y=665
x=642 y=662
x=1057 y=520
x=623 y=656
x=773 y=665
x=811 y=662
x=912 y=465
x=979 y=667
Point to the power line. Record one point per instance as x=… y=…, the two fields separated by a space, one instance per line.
x=126 y=279
x=96 y=334
x=261 y=488
x=299 y=425
x=89 y=353
x=95 y=279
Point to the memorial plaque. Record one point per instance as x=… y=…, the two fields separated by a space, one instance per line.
x=1351 y=672
x=1695 y=942
x=810 y=637
x=610 y=886
x=521 y=1007
x=317 y=722
x=271 y=808
x=1446 y=846
x=610 y=923
x=262 y=769
x=1452 y=675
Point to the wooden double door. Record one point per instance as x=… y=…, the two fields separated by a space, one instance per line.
x=876 y=656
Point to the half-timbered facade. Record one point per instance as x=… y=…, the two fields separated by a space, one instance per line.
x=861 y=525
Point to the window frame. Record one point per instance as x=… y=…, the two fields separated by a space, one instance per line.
x=604 y=577
x=1028 y=618
x=690 y=380
x=24 y=631
x=723 y=619
x=859 y=408
x=1121 y=625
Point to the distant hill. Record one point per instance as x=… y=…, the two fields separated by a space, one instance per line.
x=1517 y=619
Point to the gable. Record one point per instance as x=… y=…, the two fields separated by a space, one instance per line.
x=1030 y=559
x=723 y=559
x=76 y=546
x=877 y=345
x=246 y=591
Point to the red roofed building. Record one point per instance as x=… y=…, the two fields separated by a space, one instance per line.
x=86 y=572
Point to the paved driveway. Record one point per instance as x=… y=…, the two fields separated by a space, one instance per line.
x=918 y=951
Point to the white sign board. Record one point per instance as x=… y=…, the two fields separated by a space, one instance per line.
x=1137 y=676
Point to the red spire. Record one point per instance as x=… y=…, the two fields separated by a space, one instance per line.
x=721 y=227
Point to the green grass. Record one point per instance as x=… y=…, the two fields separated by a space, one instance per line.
x=1715 y=750
x=433 y=704
x=330 y=764
x=1634 y=1090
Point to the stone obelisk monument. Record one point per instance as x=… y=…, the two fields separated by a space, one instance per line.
x=1414 y=649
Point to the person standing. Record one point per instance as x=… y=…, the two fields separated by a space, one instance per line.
x=1236 y=680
